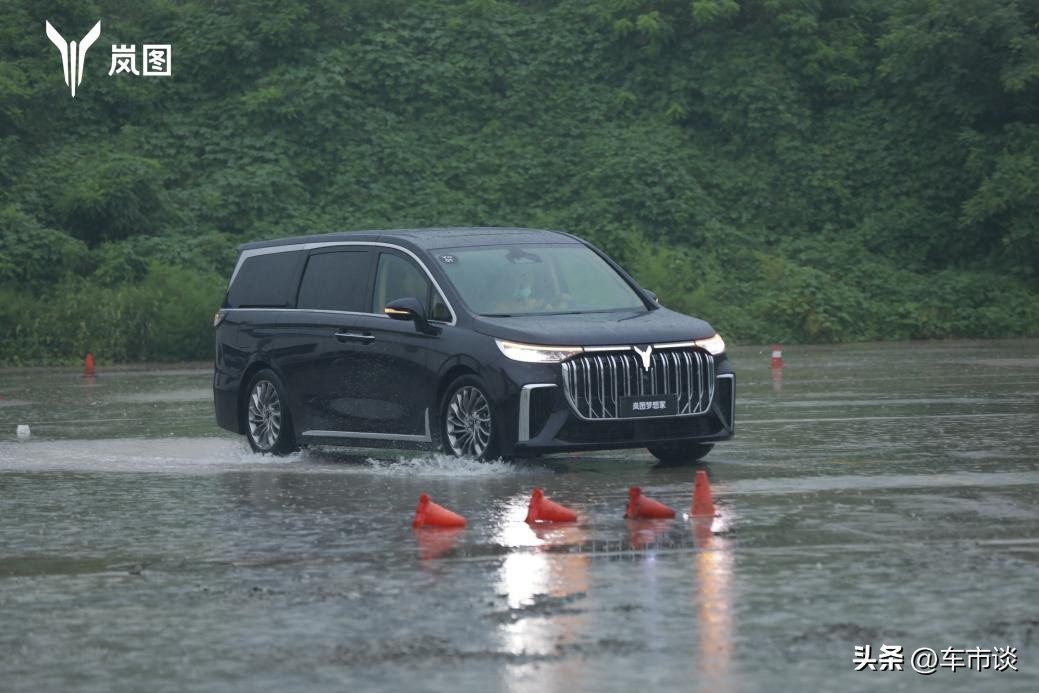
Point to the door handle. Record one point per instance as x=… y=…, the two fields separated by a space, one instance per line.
x=366 y=338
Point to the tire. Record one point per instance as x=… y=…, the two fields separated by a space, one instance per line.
x=468 y=423
x=266 y=418
x=677 y=453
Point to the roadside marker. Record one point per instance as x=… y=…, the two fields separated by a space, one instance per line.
x=702 y=503
x=542 y=509
x=640 y=506
x=429 y=514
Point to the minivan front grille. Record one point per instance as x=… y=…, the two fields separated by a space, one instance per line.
x=596 y=382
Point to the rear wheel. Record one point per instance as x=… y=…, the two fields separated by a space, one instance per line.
x=677 y=453
x=467 y=425
x=268 y=426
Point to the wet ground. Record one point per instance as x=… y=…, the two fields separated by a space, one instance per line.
x=874 y=495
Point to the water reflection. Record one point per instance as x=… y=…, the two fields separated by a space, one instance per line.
x=643 y=533
x=435 y=542
x=90 y=389
x=541 y=581
x=713 y=565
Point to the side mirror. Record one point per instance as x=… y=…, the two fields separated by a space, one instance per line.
x=410 y=309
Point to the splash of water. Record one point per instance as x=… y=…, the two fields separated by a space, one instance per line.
x=440 y=465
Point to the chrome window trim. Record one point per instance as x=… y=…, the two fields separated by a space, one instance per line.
x=411 y=438
x=253 y=252
x=523 y=432
x=318 y=310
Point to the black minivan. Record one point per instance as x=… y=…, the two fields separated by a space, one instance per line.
x=482 y=342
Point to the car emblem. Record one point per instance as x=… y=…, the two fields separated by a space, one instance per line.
x=646 y=356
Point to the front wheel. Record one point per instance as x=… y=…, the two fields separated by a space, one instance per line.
x=677 y=453
x=268 y=426
x=467 y=423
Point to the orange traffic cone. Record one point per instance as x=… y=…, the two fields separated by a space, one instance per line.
x=88 y=365
x=645 y=507
x=542 y=509
x=777 y=356
x=702 y=503
x=429 y=514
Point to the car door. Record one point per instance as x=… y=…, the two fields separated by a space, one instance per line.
x=323 y=352
x=401 y=386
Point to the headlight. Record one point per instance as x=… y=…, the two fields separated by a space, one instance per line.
x=532 y=353
x=715 y=344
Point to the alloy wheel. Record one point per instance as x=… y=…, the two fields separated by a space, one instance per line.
x=264 y=415
x=468 y=422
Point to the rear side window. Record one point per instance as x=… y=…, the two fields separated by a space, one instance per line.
x=335 y=280
x=265 y=281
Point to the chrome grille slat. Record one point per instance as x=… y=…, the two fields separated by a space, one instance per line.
x=665 y=375
x=699 y=386
x=627 y=378
x=688 y=358
x=587 y=384
x=595 y=383
x=711 y=383
x=678 y=389
x=602 y=386
x=616 y=389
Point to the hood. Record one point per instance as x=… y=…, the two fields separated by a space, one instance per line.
x=597 y=329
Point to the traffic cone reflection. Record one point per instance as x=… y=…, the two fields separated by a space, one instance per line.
x=702 y=503
x=542 y=509
x=434 y=542
x=703 y=533
x=643 y=533
x=429 y=514
x=640 y=506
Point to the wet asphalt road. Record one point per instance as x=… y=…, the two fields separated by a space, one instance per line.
x=874 y=495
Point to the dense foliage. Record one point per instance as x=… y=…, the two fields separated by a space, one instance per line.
x=792 y=170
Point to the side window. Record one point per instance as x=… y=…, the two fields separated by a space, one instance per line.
x=439 y=310
x=398 y=278
x=265 y=281
x=336 y=280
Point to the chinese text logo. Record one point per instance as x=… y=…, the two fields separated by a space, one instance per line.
x=156 y=58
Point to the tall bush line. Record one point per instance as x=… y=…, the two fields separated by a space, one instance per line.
x=824 y=171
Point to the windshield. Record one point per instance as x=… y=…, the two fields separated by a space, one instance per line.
x=507 y=280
